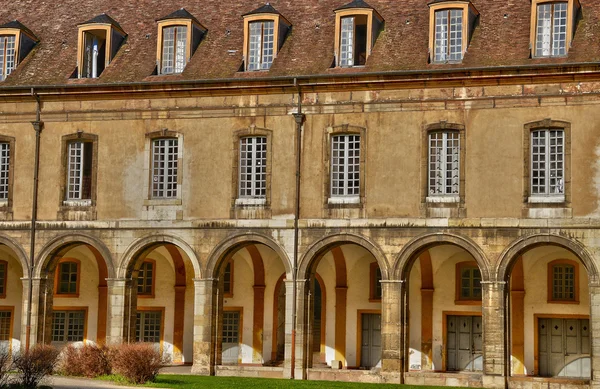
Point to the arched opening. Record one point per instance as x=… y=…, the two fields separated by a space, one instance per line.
x=250 y=325
x=549 y=311
x=73 y=296
x=11 y=300
x=444 y=298
x=160 y=301
x=343 y=307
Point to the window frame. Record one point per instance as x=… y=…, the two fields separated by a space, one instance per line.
x=6 y=204
x=189 y=49
x=375 y=283
x=57 y=274
x=261 y=18
x=237 y=200
x=150 y=138
x=67 y=310
x=573 y=11
x=550 y=281
x=10 y=309
x=4 y=282
x=228 y=293
x=162 y=323
x=458 y=298
x=555 y=200
x=467 y=26
x=4 y=65
x=84 y=138
x=371 y=35
x=89 y=27
x=354 y=201
x=150 y=295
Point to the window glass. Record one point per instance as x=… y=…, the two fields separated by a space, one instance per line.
x=67 y=281
x=253 y=167
x=147 y=327
x=3 y=270
x=7 y=55
x=94 y=53
x=227 y=279
x=448 y=35
x=145 y=278
x=164 y=168
x=563 y=282
x=470 y=283
x=444 y=154
x=68 y=326
x=174 y=46
x=547 y=162
x=551 y=29
x=345 y=165
x=353 y=41
x=5 y=322
x=4 y=169
x=79 y=171
x=261 y=45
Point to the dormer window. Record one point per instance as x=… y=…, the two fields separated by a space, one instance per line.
x=99 y=41
x=179 y=34
x=357 y=26
x=451 y=26
x=265 y=30
x=16 y=41
x=553 y=26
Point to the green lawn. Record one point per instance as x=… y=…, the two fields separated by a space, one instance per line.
x=203 y=382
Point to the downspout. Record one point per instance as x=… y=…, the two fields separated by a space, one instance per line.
x=299 y=118
x=37 y=126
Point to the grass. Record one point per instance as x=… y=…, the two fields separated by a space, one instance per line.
x=204 y=382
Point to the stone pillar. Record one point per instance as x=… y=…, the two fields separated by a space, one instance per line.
x=391 y=330
x=204 y=326
x=595 y=329
x=118 y=307
x=38 y=285
x=302 y=317
x=495 y=333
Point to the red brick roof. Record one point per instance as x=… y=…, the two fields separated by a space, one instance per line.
x=500 y=39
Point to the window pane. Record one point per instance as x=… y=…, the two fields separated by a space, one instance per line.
x=145 y=277
x=174 y=49
x=164 y=168
x=456 y=38
x=544 y=30
x=444 y=165
x=441 y=36
x=5 y=321
x=563 y=282
x=4 y=169
x=347 y=42
x=67 y=281
x=255 y=46
x=345 y=165
x=559 y=30
x=75 y=170
x=547 y=162
x=253 y=167
x=7 y=55
x=147 y=327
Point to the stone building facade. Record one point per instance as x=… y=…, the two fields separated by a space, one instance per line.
x=380 y=192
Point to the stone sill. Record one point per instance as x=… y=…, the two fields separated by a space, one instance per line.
x=159 y=202
x=546 y=199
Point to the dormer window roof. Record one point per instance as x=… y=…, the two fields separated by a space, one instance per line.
x=16 y=42
x=98 y=42
x=553 y=24
x=179 y=35
x=451 y=25
x=357 y=26
x=265 y=30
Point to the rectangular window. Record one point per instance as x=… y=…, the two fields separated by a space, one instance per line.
x=547 y=162
x=79 y=171
x=3 y=271
x=448 y=35
x=67 y=281
x=4 y=169
x=165 y=156
x=551 y=30
x=563 y=282
x=353 y=40
x=147 y=326
x=253 y=167
x=7 y=55
x=174 y=48
x=470 y=283
x=261 y=45
x=228 y=280
x=145 y=278
x=5 y=323
x=444 y=154
x=345 y=165
x=68 y=326
x=94 y=53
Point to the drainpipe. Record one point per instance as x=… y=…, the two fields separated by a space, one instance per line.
x=37 y=126
x=299 y=117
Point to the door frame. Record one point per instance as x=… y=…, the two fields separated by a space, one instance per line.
x=359 y=314
x=445 y=315
x=536 y=351
x=240 y=331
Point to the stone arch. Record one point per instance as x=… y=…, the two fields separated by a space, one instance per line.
x=236 y=242
x=412 y=249
x=62 y=243
x=149 y=243
x=19 y=253
x=519 y=246
x=319 y=248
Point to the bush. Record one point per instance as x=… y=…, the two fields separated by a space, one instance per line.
x=33 y=365
x=88 y=360
x=137 y=362
x=5 y=366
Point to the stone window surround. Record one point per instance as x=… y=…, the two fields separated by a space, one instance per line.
x=242 y=203
x=444 y=201
x=467 y=28
x=6 y=204
x=458 y=299
x=330 y=132
x=88 y=205
x=550 y=274
x=530 y=202
x=57 y=278
x=150 y=137
x=573 y=12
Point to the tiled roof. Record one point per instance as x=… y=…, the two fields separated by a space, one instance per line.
x=265 y=9
x=355 y=4
x=501 y=38
x=103 y=19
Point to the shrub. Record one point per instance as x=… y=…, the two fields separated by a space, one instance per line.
x=5 y=366
x=33 y=365
x=137 y=362
x=88 y=360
